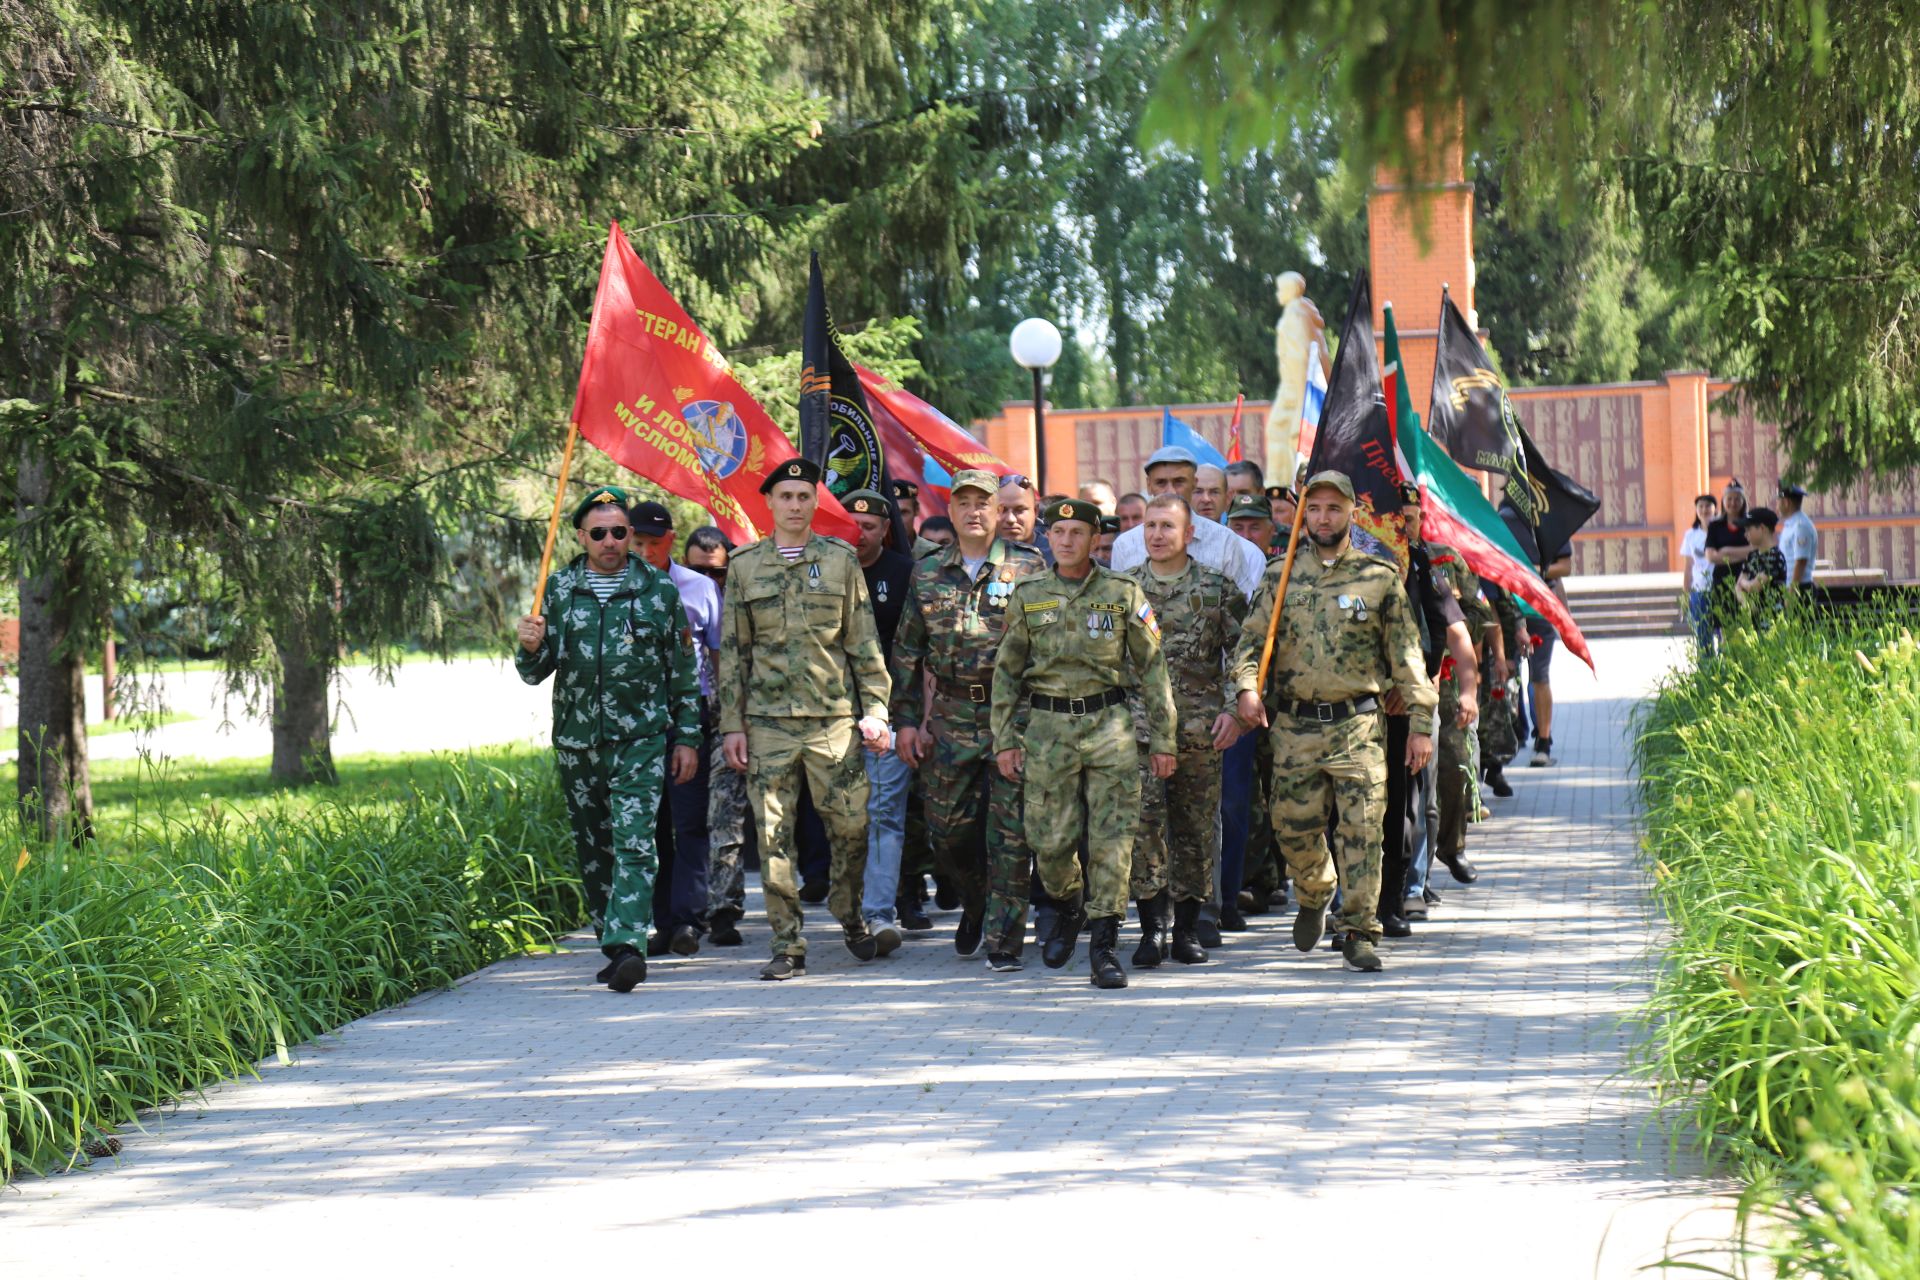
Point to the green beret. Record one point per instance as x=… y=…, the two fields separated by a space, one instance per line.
x=867 y=502
x=1329 y=480
x=607 y=495
x=791 y=469
x=1075 y=509
x=1250 y=506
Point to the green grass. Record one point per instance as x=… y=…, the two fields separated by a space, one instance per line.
x=217 y=922
x=1781 y=786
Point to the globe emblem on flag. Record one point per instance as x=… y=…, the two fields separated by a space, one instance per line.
x=719 y=436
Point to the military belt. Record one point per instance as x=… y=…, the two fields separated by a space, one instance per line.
x=1330 y=712
x=964 y=691
x=1078 y=706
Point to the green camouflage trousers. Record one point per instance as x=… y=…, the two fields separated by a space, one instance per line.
x=1083 y=779
x=1179 y=827
x=726 y=835
x=613 y=801
x=1498 y=742
x=827 y=750
x=1265 y=871
x=1455 y=781
x=973 y=823
x=1336 y=770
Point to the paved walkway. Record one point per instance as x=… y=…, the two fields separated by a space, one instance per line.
x=1463 y=1114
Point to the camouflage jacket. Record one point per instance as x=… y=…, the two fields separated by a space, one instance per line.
x=1076 y=639
x=1347 y=632
x=798 y=639
x=1200 y=615
x=1466 y=587
x=952 y=627
x=626 y=668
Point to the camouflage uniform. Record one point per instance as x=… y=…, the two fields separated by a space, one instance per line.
x=799 y=664
x=952 y=628
x=1498 y=741
x=1076 y=641
x=1457 y=773
x=1200 y=613
x=726 y=835
x=1347 y=632
x=627 y=687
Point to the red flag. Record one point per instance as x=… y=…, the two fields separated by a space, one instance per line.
x=657 y=397
x=1233 y=433
x=951 y=444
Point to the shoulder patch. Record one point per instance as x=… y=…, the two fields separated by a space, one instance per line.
x=1145 y=614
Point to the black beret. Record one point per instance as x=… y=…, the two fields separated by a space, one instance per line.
x=791 y=469
x=905 y=489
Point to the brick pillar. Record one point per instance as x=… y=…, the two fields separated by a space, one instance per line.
x=1420 y=237
x=1687 y=451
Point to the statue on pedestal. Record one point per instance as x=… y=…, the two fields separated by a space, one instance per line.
x=1294 y=337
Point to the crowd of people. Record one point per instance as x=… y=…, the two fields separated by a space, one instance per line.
x=1052 y=706
x=1744 y=561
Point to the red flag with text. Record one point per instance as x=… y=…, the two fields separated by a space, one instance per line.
x=658 y=398
x=952 y=445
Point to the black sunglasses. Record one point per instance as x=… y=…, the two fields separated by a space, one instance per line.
x=618 y=532
x=717 y=574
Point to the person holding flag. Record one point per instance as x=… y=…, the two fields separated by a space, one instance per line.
x=803 y=684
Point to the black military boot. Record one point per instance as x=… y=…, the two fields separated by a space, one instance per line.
x=1104 y=969
x=1153 y=924
x=1186 y=938
x=1069 y=915
x=726 y=928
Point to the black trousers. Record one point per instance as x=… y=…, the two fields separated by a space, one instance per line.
x=1396 y=837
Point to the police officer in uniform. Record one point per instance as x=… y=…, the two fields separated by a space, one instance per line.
x=1077 y=639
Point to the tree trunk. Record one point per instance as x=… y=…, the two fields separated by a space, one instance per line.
x=56 y=794
x=302 y=734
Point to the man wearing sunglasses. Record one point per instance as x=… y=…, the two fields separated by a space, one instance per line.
x=626 y=700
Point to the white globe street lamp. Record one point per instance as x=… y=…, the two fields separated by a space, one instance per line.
x=1035 y=345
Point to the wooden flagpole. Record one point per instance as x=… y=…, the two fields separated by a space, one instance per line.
x=553 y=524
x=1280 y=596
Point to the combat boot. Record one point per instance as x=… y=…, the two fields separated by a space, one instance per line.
x=629 y=970
x=1186 y=939
x=1153 y=925
x=1103 y=961
x=1357 y=954
x=726 y=928
x=1308 y=925
x=1068 y=916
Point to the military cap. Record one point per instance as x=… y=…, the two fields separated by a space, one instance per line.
x=791 y=469
x=1109 y=524
x=1249 y=505
x=1167 y=455
x=985 y=481
x=1410 y=495
x=904 y=489
x=867 y=502
x=651 y=518
x=1792 y=491
x=607 y=495
x=1277 y=491
x=1329 y=480
x=1074 y=509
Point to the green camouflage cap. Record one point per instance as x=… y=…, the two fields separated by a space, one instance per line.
x=1074 y=509
x=1251 y=506
x=1329 y=480
x=974 y=478
x=606 y=495
x=867 y=502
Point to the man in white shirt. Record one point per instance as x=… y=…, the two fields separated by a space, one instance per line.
x=1172 y=470
x=1799 y=540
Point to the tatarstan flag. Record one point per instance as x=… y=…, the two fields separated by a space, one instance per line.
x=659 y=399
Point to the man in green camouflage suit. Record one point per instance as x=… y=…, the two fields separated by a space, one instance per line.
x=803 y=685
x=626 y=689
x=956 y=613
x=1346 y=635
x=1456 y=779
x=1078 y=639
x=1200 y=613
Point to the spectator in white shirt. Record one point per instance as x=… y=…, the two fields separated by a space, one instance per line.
x=1799 y=540
x=1171 y=470
x=1699 y=570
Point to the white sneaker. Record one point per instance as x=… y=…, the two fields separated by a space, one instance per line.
x=886 y=936
x=1414 y=908
x=1542 y=756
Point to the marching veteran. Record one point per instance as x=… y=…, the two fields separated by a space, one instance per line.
x=1079 y=639
x=1346 y=636
x=802 y=685
x=626 y=694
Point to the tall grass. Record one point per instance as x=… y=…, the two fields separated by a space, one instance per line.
x=187 y=950
x=1781 y=787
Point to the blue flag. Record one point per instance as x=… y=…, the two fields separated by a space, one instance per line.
x=1175 y=432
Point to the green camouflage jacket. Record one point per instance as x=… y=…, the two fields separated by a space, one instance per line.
x=798 y=639
x=1200 y=615
x=1077 y=639
x=1466 y=587
x=626 y=668
x=952 y=627
x=1347 y=632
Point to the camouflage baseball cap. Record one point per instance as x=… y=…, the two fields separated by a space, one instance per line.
x=1329 y=480
x=1074 y=509
x=985 y=481
x=1249 y=506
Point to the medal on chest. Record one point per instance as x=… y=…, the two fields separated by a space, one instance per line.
x=880 y=590
x=1356 y=606
x=1099 y=624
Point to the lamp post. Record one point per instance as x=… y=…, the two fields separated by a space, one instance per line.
x=1035 y=345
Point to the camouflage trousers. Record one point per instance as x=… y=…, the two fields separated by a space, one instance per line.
x=1265 y=870
x=726 y=835
x=1498 y=741
x=613 y=803
x=1179 y=827
x=973 y=824
x=1083 y=780
x=1337 y=771
x=827 y=752
x=1456 y=781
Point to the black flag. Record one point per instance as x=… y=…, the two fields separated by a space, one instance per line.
x=1355 y=435
x=1471 y=416
x=836 y=426
x=1544 y=507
